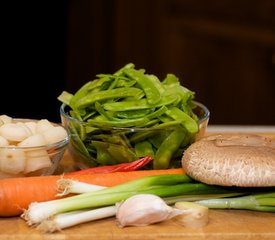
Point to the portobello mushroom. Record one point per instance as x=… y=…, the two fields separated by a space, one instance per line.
x=243 y=160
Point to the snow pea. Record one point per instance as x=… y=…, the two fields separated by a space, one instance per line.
x=143 y=149
x=133 y=113
x=188 y=122
x=109 y=153
x=102 y=154
x=91 y=98
x=168 y=147
x=139 y=104
x=79 y=144
x=121 y=123
x=150 y=89
x=120 y=72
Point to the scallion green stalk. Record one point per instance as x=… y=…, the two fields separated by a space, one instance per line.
x=198 y=197
x=264 y=202
x=135 y=185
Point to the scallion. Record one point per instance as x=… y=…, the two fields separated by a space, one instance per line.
x=161 y=185
x=264 y=202
x=99 y=203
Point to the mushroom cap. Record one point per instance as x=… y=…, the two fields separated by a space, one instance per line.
x=232 y=160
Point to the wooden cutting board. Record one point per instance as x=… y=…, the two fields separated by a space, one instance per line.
x=223 y=225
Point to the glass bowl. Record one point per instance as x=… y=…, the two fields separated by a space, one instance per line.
x=93 y=145
x=30 y=147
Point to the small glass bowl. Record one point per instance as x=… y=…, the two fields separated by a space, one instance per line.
x=91 y=145
x=33 y=160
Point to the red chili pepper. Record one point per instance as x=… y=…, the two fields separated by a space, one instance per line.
x=122 y=167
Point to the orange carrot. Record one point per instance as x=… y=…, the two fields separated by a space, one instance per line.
x=17 y=193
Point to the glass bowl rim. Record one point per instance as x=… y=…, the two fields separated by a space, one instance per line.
x=202 y=119
x=56 y=145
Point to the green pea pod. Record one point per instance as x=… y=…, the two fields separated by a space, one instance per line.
x=171 y=80
x=101 y=83
x=151 y=91
x=156 y=82
x=101 y=122
x=139 y=104
x=102 y=112
x=113 y=84
x=157 y=113
x=125 y=82
x=110 y=136
x=157 y=139
x=90 y=99
x=188 y=122
x=65 y=97
x=102 y=154
x=143 y=149
x=90 y=88
x=184 y=94
x=82 y=92
x=121 y=153
x=109 y=153
x=126 y=105
x=133 y=113
x=79 y=144
x=154 y=132
x=120 y=71
x=149 y=124
x=168 y=147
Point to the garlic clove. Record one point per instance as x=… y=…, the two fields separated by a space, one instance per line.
x=144 y=209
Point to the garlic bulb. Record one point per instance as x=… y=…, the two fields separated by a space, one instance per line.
x=144 y=209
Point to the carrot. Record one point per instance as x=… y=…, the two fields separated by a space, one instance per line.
x=17 y=193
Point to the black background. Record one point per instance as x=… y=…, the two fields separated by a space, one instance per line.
x=33 y=53
x=222 y=50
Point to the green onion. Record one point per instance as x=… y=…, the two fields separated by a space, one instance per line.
x=264 y=202
x=94 y=201
x=161 y=185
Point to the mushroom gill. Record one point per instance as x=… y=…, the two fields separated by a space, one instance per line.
x=232 y=160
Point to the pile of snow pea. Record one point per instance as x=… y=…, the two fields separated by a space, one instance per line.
x=130 y=114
